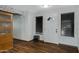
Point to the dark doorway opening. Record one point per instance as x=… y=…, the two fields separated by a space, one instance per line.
x=39 y=24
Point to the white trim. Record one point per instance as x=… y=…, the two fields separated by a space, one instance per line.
x=78 y=49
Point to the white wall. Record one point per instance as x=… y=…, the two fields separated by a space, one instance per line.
x=26 y=23
x=78 y=27
x=56 y=13
x=28 y=26
x=17 y=26
x=23 y=26
x=70 y=40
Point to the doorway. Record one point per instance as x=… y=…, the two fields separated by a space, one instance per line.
x=51 y=28
x=39 y=24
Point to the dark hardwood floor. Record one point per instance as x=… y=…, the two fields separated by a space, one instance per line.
x=37 y=47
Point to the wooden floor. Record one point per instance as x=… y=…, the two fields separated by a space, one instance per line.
x=35 y=47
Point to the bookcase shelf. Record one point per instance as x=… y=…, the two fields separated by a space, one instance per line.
x=6 y=27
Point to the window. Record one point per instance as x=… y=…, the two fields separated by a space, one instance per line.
x=67 y=24
x=39 y=24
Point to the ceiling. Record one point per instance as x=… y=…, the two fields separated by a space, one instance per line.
x=33 y=8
